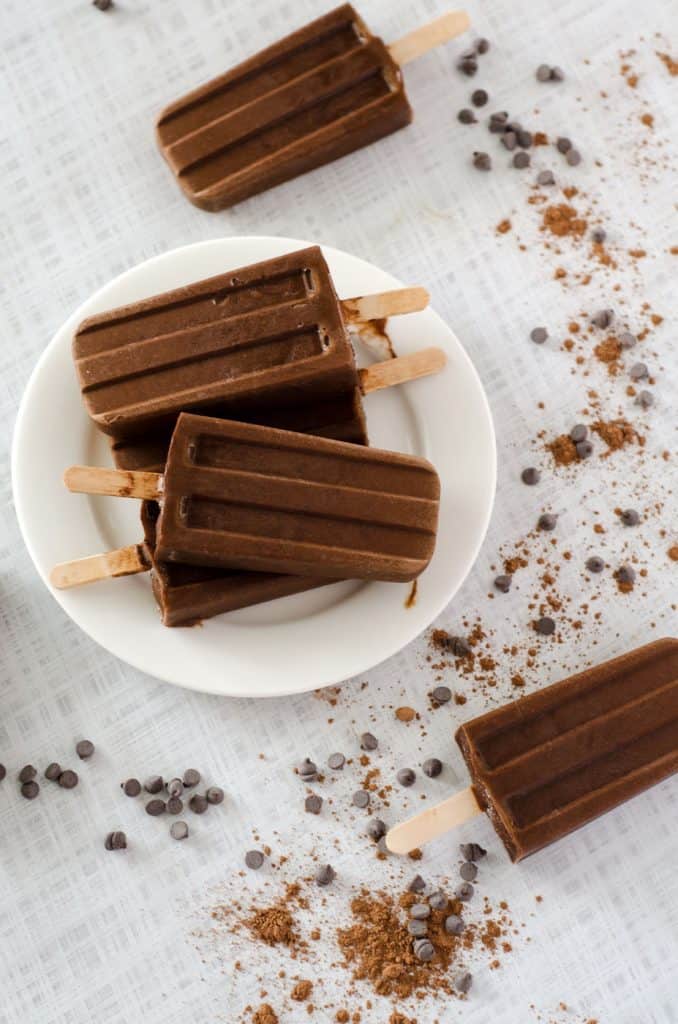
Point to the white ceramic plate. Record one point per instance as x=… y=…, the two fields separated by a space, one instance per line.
x=296 y=643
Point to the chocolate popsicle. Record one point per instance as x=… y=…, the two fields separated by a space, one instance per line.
x=549 y=763
x=242 y=496
x=269 y=336
x=322 y=92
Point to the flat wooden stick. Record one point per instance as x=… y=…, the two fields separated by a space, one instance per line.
x=430 y=824
x=404 y=368
x=121 y=483
x=384 y=304
x=122 y=562
x=426 y=37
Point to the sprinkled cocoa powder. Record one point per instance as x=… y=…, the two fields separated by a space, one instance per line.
x=563 y=221
x=669 y=63
x=265 y=1014
x=616 y=434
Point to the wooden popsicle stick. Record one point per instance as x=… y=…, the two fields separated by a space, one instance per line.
x=430 y=824
x=402 y=369
x=384 y=304
x=121 y=483
x=426 y=37
x=122 y=562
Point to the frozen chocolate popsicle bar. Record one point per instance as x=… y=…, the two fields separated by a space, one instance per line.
x=322 y=92
x=237 y=495
x=266 y=337
x=549 y=763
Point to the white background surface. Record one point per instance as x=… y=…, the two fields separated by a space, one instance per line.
x=89 y=936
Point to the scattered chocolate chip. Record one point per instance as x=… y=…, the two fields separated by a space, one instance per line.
x=308 y=770
x=625 y=574
x=557 y=74
x=432 y=767
x=102 y=5
x=599 y=235
x=459 y=646
x=417 y=929
x=68 y=779
x=545 y=626
x=313 y=804
x=468 y=871
x=179 y=830
x=466 y=116
x=630 y=517
x=254 y=859
x=361 y=798
x=3 y=772
x=454 y=925
x=595 y=564
x=509 y=140
x=464 y=892
x=546 y=178
x=438 y=900
x=423 y=949
x=482 y=45
x=563 y=144
x=156 y=807
x=406 y=776
x=214 y=795
x=539 y=335
x=368 y=741
x=543 y=73
x=191 y=777
x=603 y=318
x=116 y=841
x=441 y=694
x=530 y=476
x=638 y=371
x=503 y=583
x=584 y=449
x=420 y=911
x=579 y=433
x=521 y=160
x=336 y=761
x=627 y=340
x=175 y=787
x=497 y=122
x=84 y=749
x=463 y=983
x=198 y=803
x=573 y=157
x=547 y=521
x=53 y=771
x=467 y=64
x=325 y=875
x=131 y=787
x=153 y=784
x=27 y=773
x=479 y=97
x=644 y=399
x=472 y=851
x=524 y=138
x=417 y=884
x=175 y=805
x=30 y=789
x=376 y=828
x=482 y=161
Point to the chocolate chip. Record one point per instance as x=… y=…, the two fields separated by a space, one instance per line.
x=336 y=761
x=423 y=949
x=563 y=144
x=464 y=892
x=214 y=795
x=509 y=140
x=441 y=694
x=131 y=787
x=115 y=841
x=368 y=741
x=361 y=798
x=547 y=521
x=524 y=138
x=102 y=5
x=546 y=178
x=466 y=116
x=191 y=777
x=68 y=779
x=313 y=804
x=30 y=789
x=482 y=161
x=179 y=830
x=482 y=45
x=175 y=805
x=156 y=807
x=503 y=583
x=406 y=776
x=198 y=803
x=573 y=157
x=539 y=335
x=584 y=449
x=468 y=871
x=472 y=851
x=432 y=767
x=644 y=399
x=153 y=784
x=463 y=983
x=625 y=574
x=603 y=318
x=27 y=773
x=557 y=74
x=543 y=73
x=595 y=564
x=254 y=859
x=630 y=517
x=417 y=884
x=325 y=875
x=175 y=787
x=467 y=64
x=599 y=235
x=307 y=769
x=53 y=771
x=479 y=97
x=376 y=828
x=638 y=371
x=459 y=646
x=497 y=122
x=545 y=626
x=627 y=340
x=420 y=911
x=84 y=749
x=438 y=900
x=521 y=160
x=3 y=772
x=417 y=929
x=579 y=433
x=530 y=476
x=454 y=925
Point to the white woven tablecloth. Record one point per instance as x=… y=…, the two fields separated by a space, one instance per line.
x=87 y=935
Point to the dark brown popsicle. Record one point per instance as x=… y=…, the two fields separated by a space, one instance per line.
x=322 y=92
x=551 y=762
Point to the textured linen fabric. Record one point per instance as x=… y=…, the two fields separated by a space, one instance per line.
x=88 y=935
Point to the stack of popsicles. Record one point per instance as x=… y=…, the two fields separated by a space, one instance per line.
x=234 y=410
